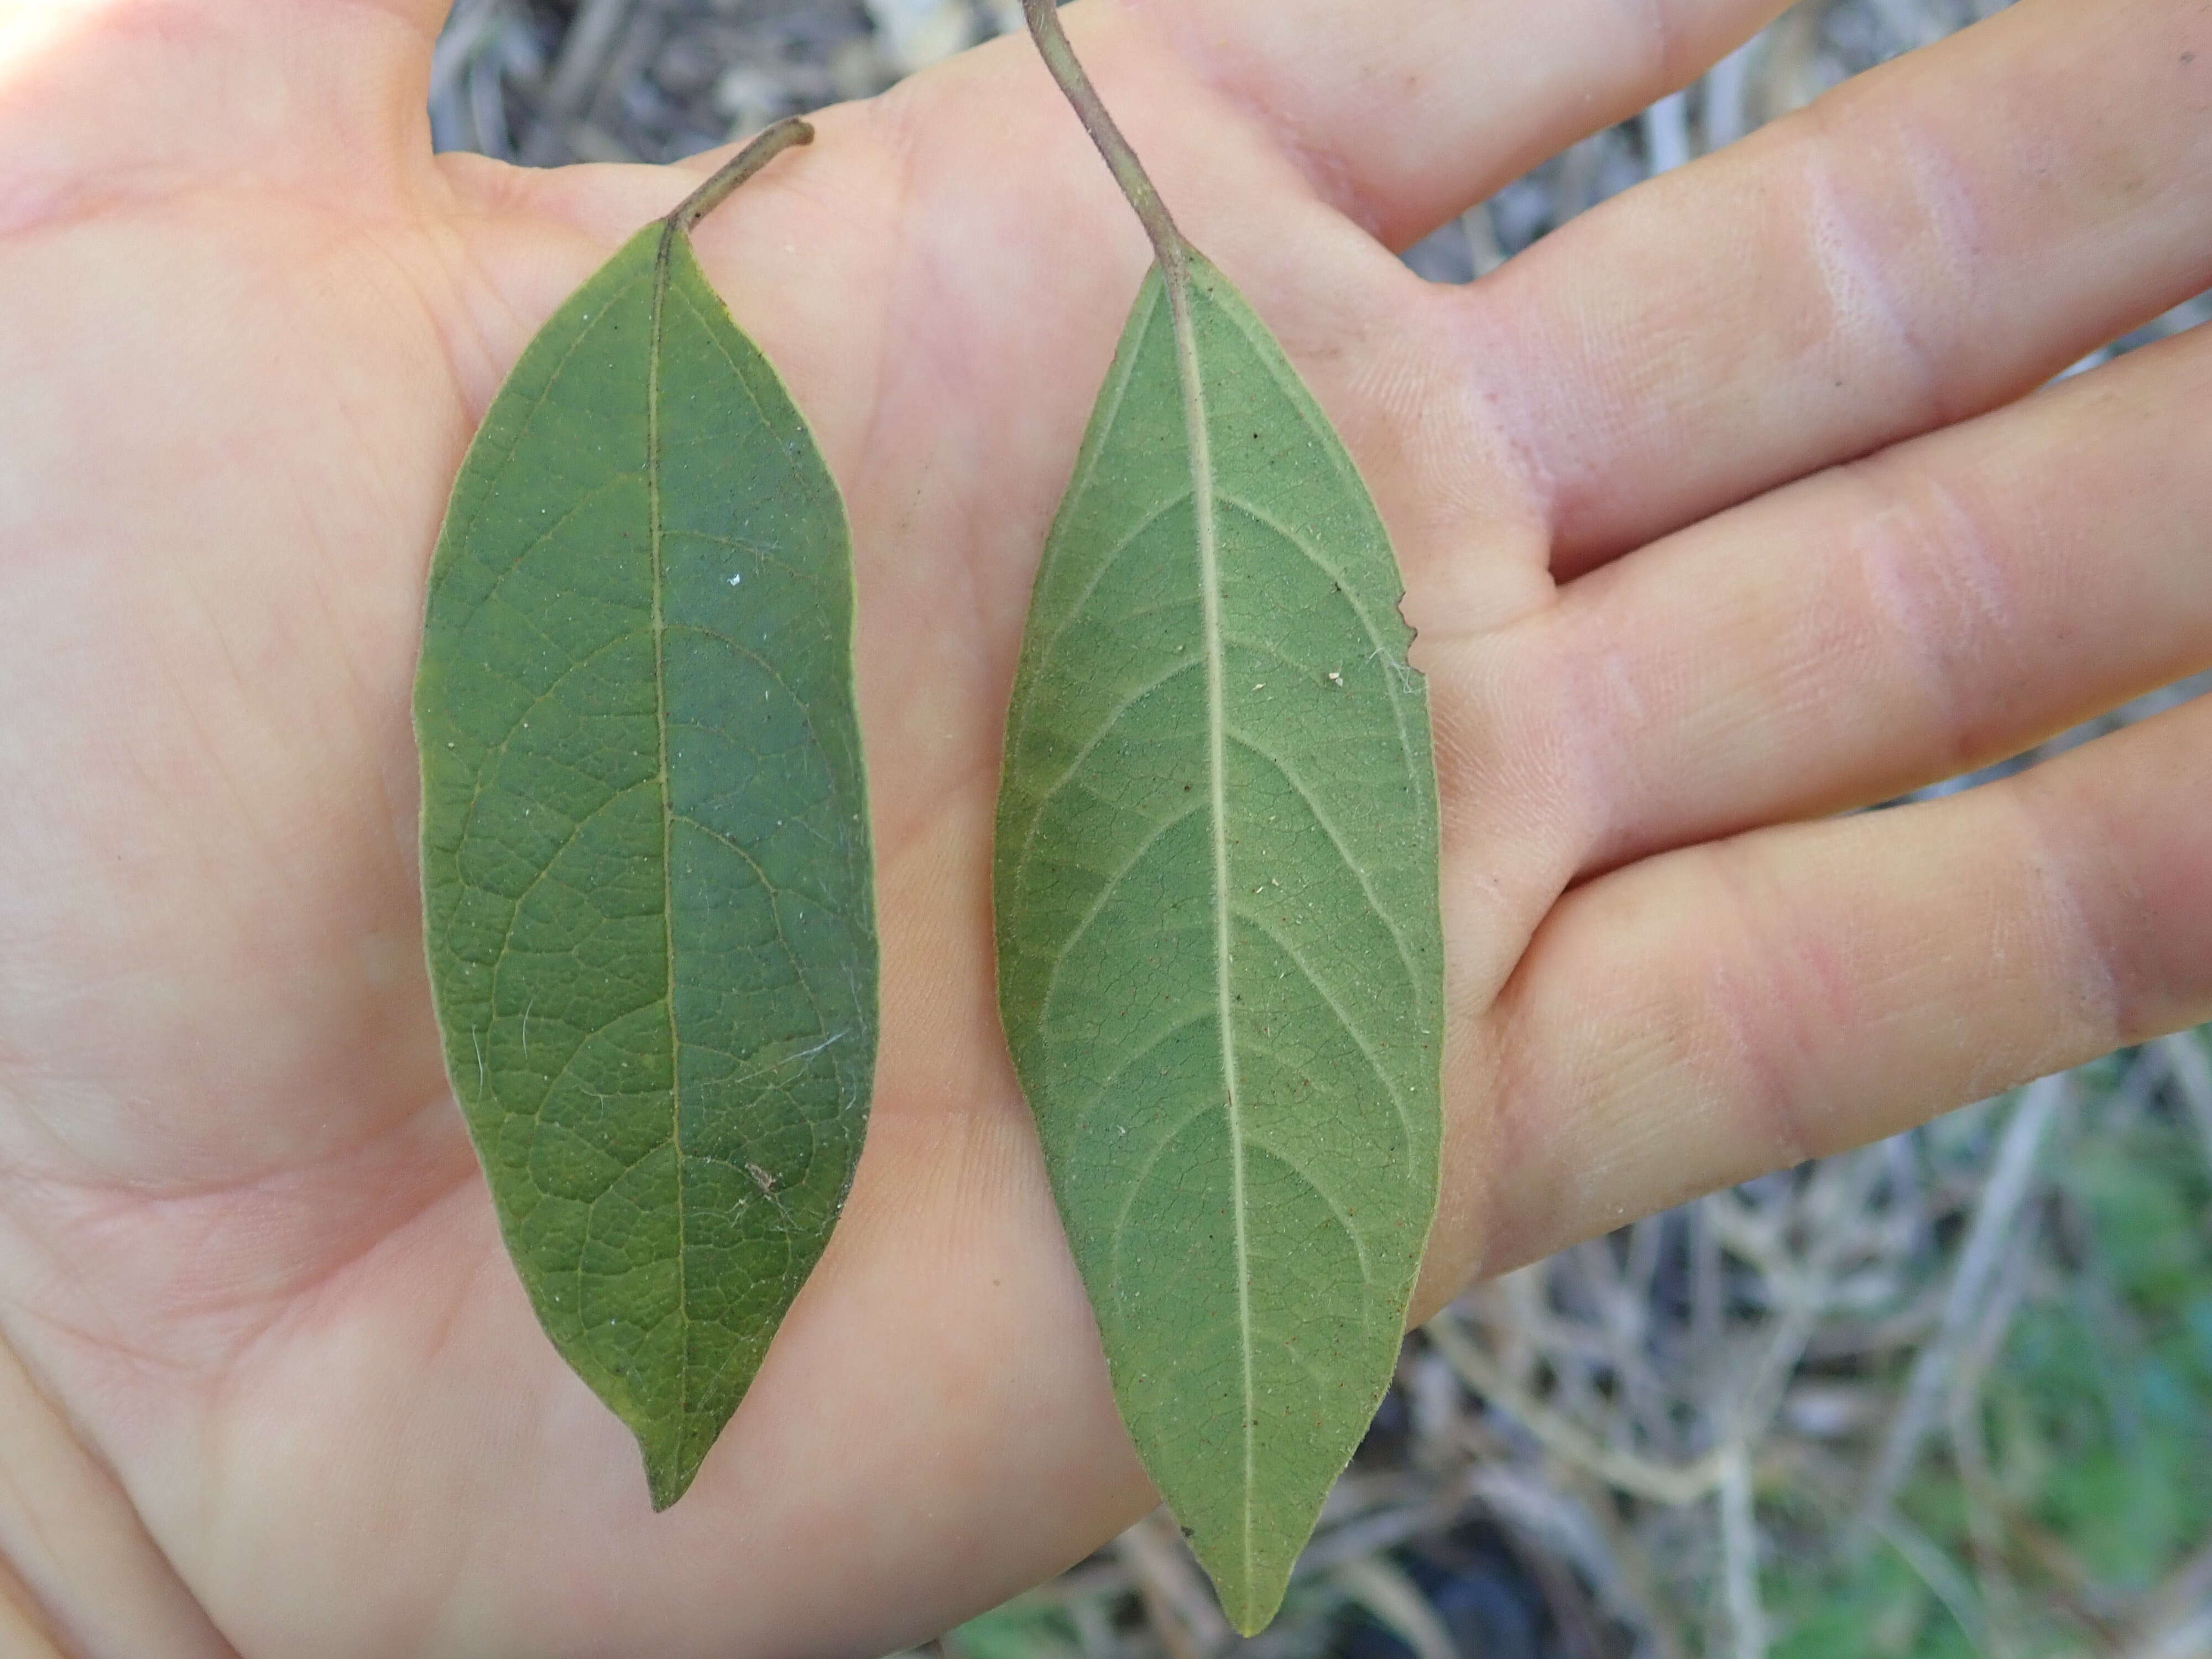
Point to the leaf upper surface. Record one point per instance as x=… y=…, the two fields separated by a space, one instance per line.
x=645 y=853
x=1220 y=956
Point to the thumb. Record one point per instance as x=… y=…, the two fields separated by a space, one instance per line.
x=105 y=101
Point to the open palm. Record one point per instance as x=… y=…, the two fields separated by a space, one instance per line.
x=270 y=1384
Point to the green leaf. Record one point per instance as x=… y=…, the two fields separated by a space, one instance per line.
x=1220 y=956
x=645 y=841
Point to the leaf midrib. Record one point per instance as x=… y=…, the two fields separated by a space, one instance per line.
x=662 y=256
x=1176 y=278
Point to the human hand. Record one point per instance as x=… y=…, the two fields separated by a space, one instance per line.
x=271 y=1386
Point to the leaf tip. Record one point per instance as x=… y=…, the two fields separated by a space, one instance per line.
x=1255 y=1608
x=1249 y=1582
x=672 y=1461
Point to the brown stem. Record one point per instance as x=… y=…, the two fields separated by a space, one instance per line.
x=1168 y=244
x=765 y=149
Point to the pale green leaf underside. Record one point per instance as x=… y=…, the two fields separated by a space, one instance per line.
x=645 y=843
x=1220 y=959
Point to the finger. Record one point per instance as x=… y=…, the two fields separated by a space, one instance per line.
x=1716 y=1012
x=1405 y=111
x=1926 y=242
x=1946 y=603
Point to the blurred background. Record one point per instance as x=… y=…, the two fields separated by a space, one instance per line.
x=1949 y=1394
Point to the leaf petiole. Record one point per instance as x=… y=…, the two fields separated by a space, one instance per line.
x=1169 y=246
x=771 y=143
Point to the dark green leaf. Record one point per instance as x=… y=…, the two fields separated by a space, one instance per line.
x=1220 y=957
x=645 y=849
